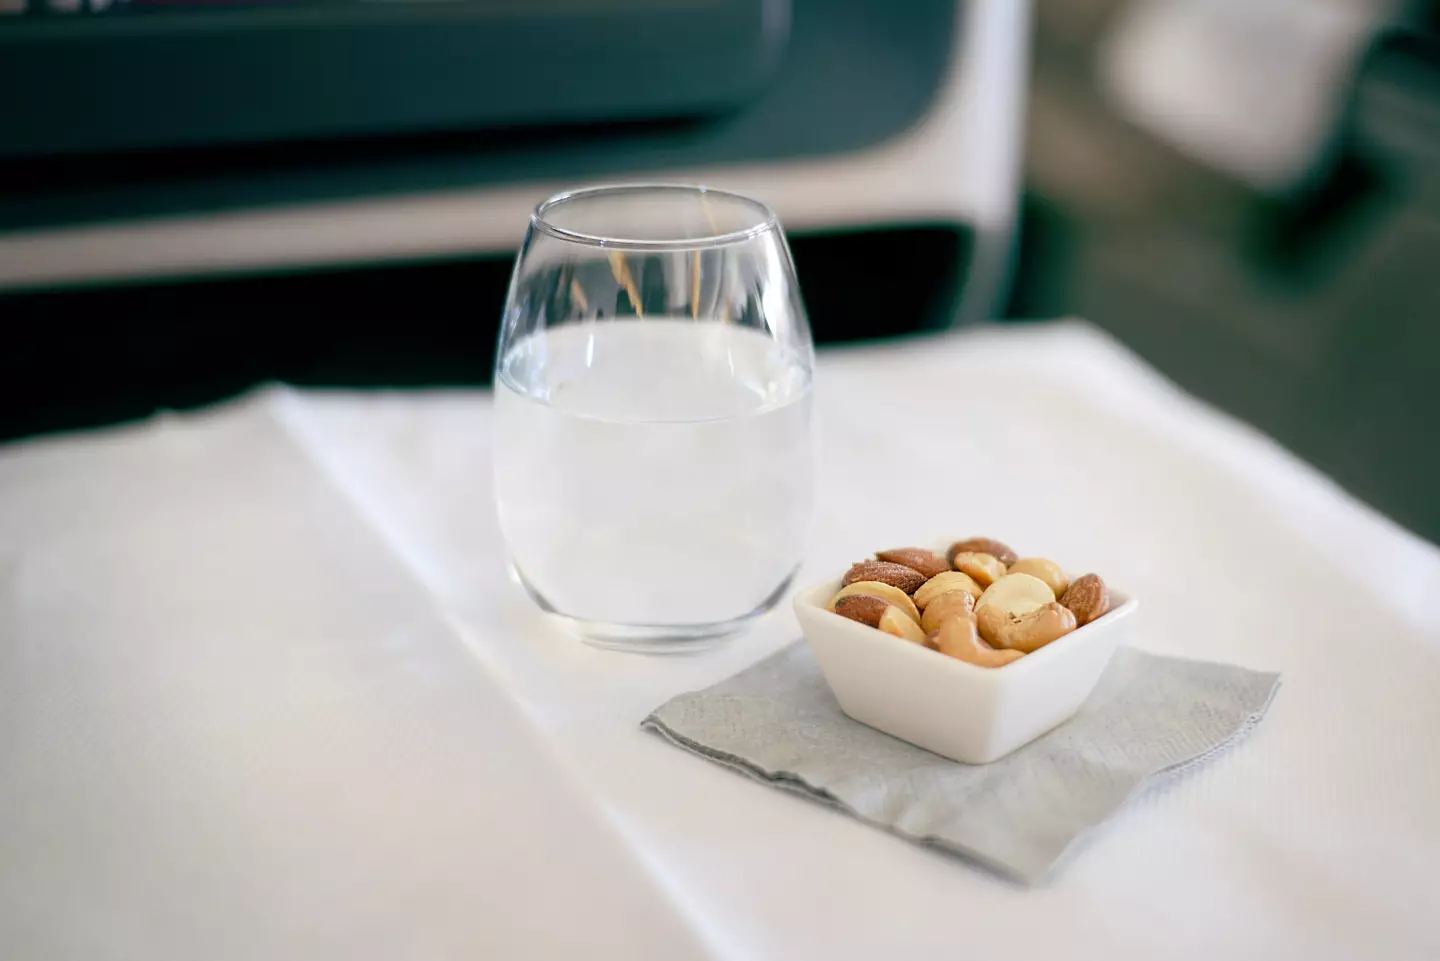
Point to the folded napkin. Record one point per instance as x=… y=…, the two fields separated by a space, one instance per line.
x=1150 y=717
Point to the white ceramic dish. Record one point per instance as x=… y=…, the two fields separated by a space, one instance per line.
x=966 y=713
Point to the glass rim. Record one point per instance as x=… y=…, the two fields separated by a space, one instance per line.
x=766 y=220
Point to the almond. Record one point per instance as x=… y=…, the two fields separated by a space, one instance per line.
x=1087 y=598
x=863 y=608
x=984 y=545
x=886 y=592
x=918 y=559
x=896 y=575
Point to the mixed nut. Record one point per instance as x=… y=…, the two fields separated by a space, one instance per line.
x=980 y=602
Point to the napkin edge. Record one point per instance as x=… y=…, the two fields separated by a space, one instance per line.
x=794 y=784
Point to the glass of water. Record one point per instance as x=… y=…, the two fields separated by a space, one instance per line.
x=653 y=442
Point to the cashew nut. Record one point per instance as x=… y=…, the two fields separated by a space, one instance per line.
x=958 y=638
x=947 y=605
x=895 y=621
x=1027 y=632
x=986 y=569
x=1045 y=569
x=943 y=583
x=1016 y=594
x=886 y=592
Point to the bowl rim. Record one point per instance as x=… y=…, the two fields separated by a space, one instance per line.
x=817 y=595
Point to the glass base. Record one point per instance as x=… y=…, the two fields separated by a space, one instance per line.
x=655 y=638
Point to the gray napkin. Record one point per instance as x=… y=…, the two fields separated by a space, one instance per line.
x=1150 y=717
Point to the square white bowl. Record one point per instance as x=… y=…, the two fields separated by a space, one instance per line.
x=963 y=712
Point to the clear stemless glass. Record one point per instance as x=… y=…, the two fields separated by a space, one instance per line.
x=653 y=442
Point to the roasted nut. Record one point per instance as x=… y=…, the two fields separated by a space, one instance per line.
x=984 y=569
x=1087 y=597
x=1025 y=632
x=894 y=621
x=863 y=608
x=944 y=583
x=990 y=610
x=982 y=545
x=896 y=575
x=958 y=638
x=947 y=605
x=1016 y=594
x=888 y=593
x=918 y=559
x=990 y=622
x=1008 y=598
x=1045 y=569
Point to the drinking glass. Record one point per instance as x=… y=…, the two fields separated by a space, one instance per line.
x=653 y=442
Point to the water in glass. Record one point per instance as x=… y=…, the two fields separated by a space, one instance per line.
x=653 y=468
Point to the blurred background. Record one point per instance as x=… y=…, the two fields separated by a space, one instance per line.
x=197 y=196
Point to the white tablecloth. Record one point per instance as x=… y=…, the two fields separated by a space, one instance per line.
x=266 y=692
